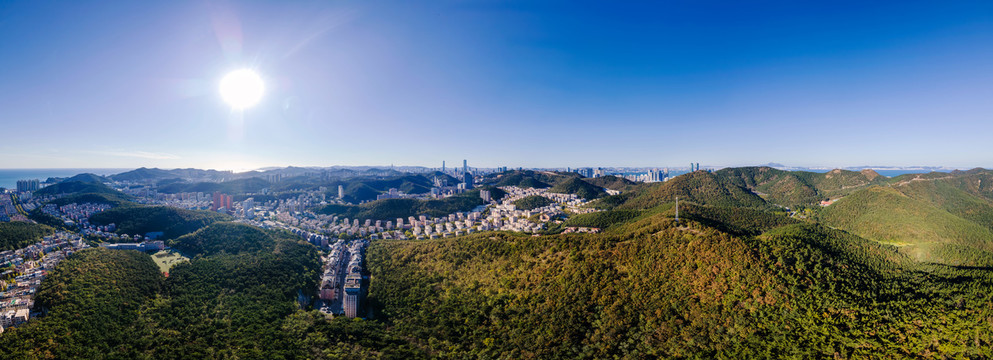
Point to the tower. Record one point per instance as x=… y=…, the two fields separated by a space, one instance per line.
x=467 y=179
x=443 y=166
x=465 y=166
x=677 y=210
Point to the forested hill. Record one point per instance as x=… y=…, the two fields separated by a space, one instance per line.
x=229 y=301
x=391 y=209
x=612 y=182
x=76 y=187
x=799 y=188
x=529 y=178
x=661 y=290
x=172 y=222
x=580 y=188
x=84 y=188
x=700 y=187
x=356 y=189
x=16 y=234
x=93 y=298
x=736 y=277
x=942 y=218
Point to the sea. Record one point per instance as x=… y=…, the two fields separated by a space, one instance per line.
x=9 y=177
x=888 y=173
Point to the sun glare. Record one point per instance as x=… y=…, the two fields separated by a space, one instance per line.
x=242 y=88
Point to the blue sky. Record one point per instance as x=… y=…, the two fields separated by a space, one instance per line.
x=501 y=83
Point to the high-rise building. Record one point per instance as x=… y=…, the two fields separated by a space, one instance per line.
x=467 y=179
x=656 y=175
x=247 y=206
x=443 y=166
x=353 y=295
x=465 y=166
x=221 y=201
x=485 y=194
x=28 y=185
x=341 y=192
x=214 y=205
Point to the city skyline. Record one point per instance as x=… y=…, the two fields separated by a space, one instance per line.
x=504 y=84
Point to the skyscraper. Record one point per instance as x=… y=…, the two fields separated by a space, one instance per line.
x=465 y=166
x=656 y=175
x=341 y=192
x=443 y=166
x=467 y=179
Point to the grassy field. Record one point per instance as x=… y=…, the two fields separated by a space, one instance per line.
x=165 y=259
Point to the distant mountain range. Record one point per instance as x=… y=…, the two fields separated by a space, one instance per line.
x=863 y=167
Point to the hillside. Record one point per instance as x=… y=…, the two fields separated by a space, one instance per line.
x=238 y=186
x=602 y=219
x=799 y=188
x=94 y=297
x=839 y=182
x=16 y=234
x=579 y=187
x=922 y=230
x=144 y=174
x=528 y=178
x=724 y=282
x=700 y=187
x=954 y=195
x=88 y=177
x=532 y=202
x=225 y=237
x=776 y=186
x=391 y=209
x=796 y=291
x=76 y=187
x=612 y=182
x=173 y=222
x=115 y=304
x=154 y=175
x=732 y=220
x=976 y=182
x=113 y=199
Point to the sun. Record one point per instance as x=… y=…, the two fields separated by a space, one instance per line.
x=242 y=88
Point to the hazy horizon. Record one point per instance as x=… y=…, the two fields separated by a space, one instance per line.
x=458 y=165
